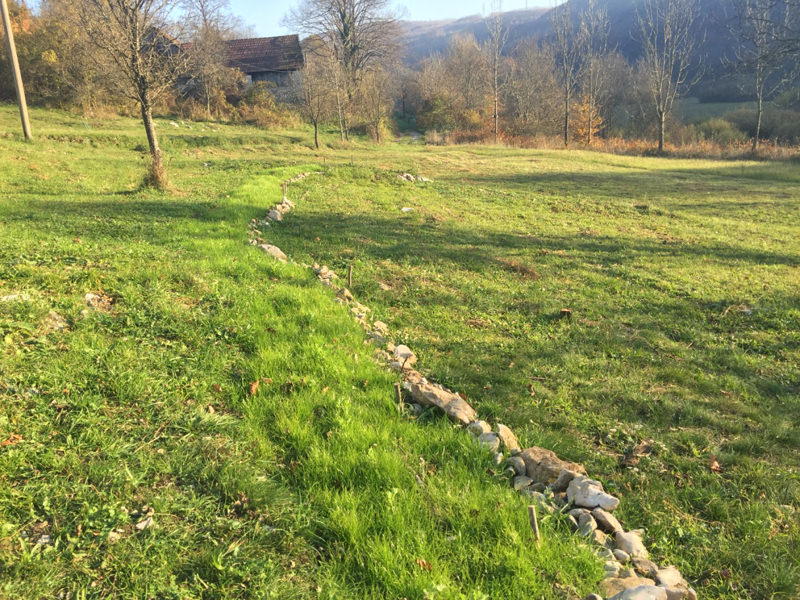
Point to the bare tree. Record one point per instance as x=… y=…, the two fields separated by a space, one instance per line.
x=532 y=92
x=668 y=43
x=315 y=86
x=567 y=55
x=592 y=75
x=375 y=100
x=498 y=36
x=361 y=34
x=760 y=26
x=139 y=38
x=209 y=23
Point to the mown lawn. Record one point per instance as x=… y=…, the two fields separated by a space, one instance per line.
x=684 y=343
x=137 y=458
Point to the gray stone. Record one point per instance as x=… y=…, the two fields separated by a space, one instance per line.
x=612 y=566
x=562 y=481
x=645 y=566
x=588 y=493
x=621 y=556
x=626 y=573
x=517 y=464
x=345 y=295
x=606 y=521
x=543 y=466
x=498 y=459
x=490 y=441
x=477 y=428
x=274 y=252
x=508 y=439
x=541 y=501
x=605 y=554
x=586 y=525
x=631 y=542
x=275 y=215
x=599 y=538
x=671 y=577
x=54 y=322
x=578 y=512
x=428 y=394
x=675 y=593
x=381 y=327
x=521 y=482
x=404 y=356
x=617 y=585
x=642 y=592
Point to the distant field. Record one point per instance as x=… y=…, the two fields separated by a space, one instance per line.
x=684 y=281
x=691 y=110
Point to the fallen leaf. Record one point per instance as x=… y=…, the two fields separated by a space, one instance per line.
x=714 y=465
x=12 y=440
x=424 y=564
x=325 y=389
x=266 y=380
x=216 y=387
x=254 y=388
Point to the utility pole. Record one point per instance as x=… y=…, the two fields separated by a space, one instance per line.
x=12 y=56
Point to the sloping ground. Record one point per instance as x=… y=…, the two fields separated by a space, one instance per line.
x=676 y=380
x=212 y=425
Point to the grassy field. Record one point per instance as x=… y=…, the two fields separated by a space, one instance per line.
x=684 y=283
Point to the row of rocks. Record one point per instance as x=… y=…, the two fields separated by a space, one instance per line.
x=552 y=483
x=413 y=179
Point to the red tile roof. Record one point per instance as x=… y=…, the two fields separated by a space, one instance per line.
x=256 y=55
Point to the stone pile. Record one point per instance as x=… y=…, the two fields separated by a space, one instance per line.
x=554 y=485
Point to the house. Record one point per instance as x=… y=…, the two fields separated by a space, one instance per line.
x=271 y=59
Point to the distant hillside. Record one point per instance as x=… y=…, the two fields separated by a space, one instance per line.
x=424 y=38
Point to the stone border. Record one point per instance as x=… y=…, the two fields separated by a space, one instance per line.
x=552 y=484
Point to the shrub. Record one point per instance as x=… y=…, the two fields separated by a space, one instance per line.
x=720 y=131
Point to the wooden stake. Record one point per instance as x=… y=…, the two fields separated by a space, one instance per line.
x=349 y=276
x=285 y=187
x=12 y=55
x=399 y=391
x=534 y=523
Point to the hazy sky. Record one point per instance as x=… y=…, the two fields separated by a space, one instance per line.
x=266 y=15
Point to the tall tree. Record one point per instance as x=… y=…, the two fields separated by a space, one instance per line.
x=138 y=36
x=498 y=36
x=567 y=55
x=360 y=33
x=592 y=76
x=209 y=23
x=668 y=38
x=315 y=86
x=760 y=27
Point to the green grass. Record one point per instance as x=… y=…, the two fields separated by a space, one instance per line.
x=683 y=277
x=314 y=487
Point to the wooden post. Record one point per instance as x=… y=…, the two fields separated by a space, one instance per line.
x=350 y=276
x=534 y=523
x=12 y=56
x=399 y=391
x=285 y=187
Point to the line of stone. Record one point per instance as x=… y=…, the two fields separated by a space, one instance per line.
x=551 y=483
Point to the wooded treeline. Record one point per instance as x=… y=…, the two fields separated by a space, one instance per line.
x=573 y=85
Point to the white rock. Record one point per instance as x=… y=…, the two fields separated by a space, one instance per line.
x=477 y=428
x=631 y=542
x=621 y=555
x=16 y=298
x=606 y=521
x=274 y=252
x=508 y=439
x=490 y=441
x=145 y=524
x=404 y=356
x=642 y=592
x=589 y=493
x=670 y=576
x=275 y=215
x=521 y=482
x=406 y=209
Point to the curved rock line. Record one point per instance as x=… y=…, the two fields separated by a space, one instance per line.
x=550 y=482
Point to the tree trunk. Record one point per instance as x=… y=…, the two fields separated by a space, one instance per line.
x=661 y=124
x=566 y=118
x=758 y=122
x=316 y=134
x=158 y=177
